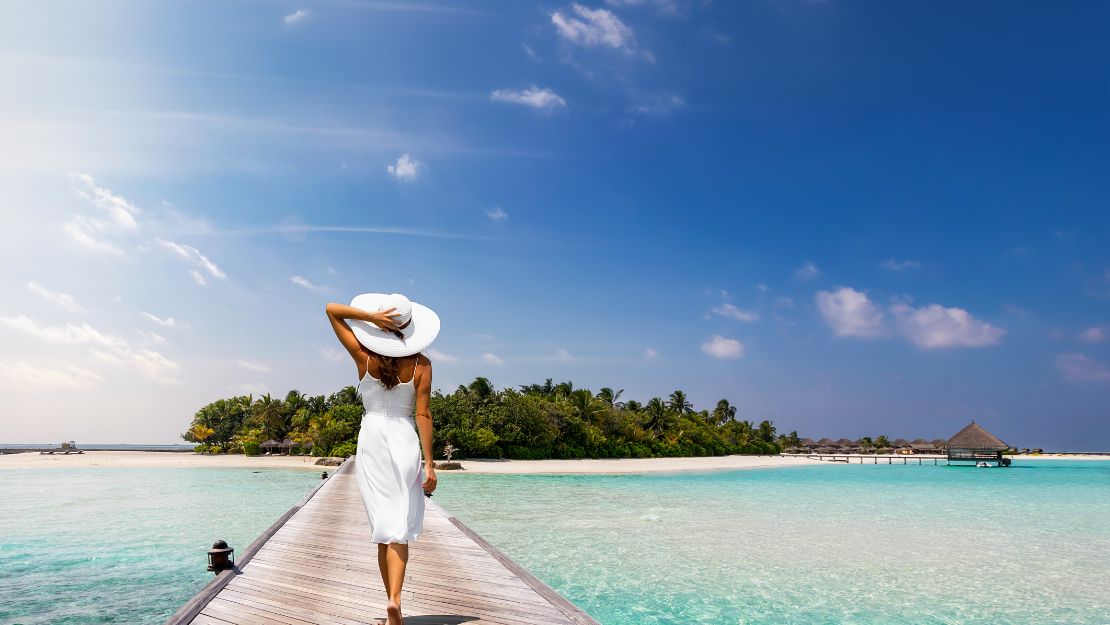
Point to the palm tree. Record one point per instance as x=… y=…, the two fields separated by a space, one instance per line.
x=586 y=405
x=656 y=412
x=481 y=389
x=882 y=442
x=679 y=404
x=723 y=413
x=767 y=431
x=610 y=397
x=270 y=414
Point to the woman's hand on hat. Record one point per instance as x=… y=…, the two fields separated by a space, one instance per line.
x=385 y=319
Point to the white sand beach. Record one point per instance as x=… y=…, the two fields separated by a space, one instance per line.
x=30 y=460
x=187 y=459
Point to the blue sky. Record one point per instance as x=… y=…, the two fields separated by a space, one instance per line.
x=851 y=218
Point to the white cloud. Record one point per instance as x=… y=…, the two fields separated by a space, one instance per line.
x=92 y=232
x=333 y=354
x=541 y=99
x=62 y=300
x=303 y=282
x=192 y=255
x=562 y=354
x=119 y=210
x=497 y=214
x=198 y=277
x=593 y=27
x=492 y=359
x=650 y=353
x=1080 y=368
x=893 y=264
x=405 y=169
x=78 y=227
x=850 y=313
x=739 y=314
x=808 y=271
x=296 y=16
x=252 y=366
x=437 y=356
x=935 y=326
x=720 y=347
x=657 y=105
x=1093 y=335
x=21 y=376
x=151 y=337
x=149 y=363
x=69 y=333
x=168 y=322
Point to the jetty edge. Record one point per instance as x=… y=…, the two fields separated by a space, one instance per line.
x=315 y=565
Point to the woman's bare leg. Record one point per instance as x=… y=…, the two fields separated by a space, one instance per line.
x=397 y=558
x=383 y=566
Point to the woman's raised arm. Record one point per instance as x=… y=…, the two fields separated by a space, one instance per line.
x=337 y=313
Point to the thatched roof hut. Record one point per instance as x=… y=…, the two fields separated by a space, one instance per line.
x=825 y=442
x=973 y=443
x=808 y=442
x=844 y=442
x=899 y=442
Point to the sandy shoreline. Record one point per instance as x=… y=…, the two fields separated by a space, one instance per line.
x=30 y=460
x=139 y=459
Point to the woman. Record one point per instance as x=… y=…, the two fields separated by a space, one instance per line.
x=385 y=338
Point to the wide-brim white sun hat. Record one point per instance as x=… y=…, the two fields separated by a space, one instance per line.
x=419 y=333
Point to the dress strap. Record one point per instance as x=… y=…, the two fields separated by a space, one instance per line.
x=414 y=366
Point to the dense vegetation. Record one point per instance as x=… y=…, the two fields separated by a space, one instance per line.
x=533 y=422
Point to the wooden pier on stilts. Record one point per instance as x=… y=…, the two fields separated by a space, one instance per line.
x=316 y=566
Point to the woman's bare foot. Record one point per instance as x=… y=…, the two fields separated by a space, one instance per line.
x=393 y=612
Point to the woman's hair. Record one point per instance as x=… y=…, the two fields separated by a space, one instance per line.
x=389 y=366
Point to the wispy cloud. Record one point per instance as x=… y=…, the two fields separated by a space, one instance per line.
x=850 y=313
x=303 y=282
x=534 y=97
x=437 y=356
x=296 y=16
x=739 y=314
x=497 y=214
x=193 y=256
x=657 y=105
x=62 y=300
x=666 y=8
x=721 y=347
x=1094 y=334
x=333 y=354
x=893 y=264
x=807 y=271
x=117 y=217
x=69 y=333
x=22 y=376
x=493 y=359
x=650 y=353
x=1078 y=367
x=405 y=169
x=167 y=322
x=261 y=367
x=589 y=28
x=147 y=362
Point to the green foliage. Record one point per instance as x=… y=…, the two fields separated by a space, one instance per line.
x=342 y=450
x=537 y=421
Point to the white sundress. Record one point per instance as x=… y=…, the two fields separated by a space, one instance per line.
x=388 y=466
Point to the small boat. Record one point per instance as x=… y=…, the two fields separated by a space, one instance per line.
x=982 y=465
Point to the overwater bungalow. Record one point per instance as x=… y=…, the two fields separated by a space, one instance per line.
x=974 y=444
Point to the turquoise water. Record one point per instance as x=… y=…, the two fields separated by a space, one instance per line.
x=125 y=545
x=827 y=544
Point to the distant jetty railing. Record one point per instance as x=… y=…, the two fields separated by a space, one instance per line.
x=874 y=459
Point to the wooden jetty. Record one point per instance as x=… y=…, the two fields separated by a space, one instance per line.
x=317 y=566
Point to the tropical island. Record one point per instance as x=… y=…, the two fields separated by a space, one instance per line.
x=533 y=422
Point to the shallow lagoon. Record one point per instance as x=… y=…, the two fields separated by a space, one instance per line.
x=1028 y=545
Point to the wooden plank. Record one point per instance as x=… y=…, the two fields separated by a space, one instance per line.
x=318 y=567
